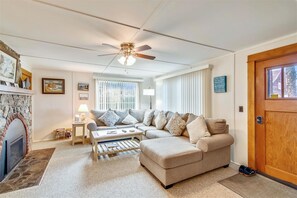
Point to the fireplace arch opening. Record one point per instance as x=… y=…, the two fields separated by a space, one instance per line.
x=14 y=144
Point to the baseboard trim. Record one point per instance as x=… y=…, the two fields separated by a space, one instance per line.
x=234 y=165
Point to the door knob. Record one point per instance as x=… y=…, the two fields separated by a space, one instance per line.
x=259 y=119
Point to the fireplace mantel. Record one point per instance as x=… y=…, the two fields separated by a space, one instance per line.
x=15 y=90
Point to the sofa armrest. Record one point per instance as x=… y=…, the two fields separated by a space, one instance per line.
x=91 y=125
x=214 y=142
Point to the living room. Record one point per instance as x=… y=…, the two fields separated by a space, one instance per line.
x=196 y=57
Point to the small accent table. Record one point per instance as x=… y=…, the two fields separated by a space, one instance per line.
x=76 y=138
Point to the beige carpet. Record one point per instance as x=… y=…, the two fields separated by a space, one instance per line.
x=258 y=186
x=72 y=173
x=29 y=171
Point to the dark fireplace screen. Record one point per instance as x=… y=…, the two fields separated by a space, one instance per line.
x=15 y=152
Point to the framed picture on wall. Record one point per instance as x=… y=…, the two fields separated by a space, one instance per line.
x=53 y=86
x=220 y=84
x=83 y=87
x=83 y=96
x=8 y=63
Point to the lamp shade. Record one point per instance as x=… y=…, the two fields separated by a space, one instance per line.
x=148 y=92
x=83 y=108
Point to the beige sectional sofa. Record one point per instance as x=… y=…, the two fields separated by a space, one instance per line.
x=173 y=158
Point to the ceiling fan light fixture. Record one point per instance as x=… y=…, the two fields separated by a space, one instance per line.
x=127 y=60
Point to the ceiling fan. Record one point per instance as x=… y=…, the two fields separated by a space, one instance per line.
x=129 y=53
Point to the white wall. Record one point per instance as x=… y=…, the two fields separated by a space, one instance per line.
x=52 y=111
x=225 y=105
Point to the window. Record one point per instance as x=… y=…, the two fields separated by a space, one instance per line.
x=188 y=93
x=116 y=95
x=282 y=82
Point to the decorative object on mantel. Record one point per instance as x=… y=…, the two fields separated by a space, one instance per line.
x=83 y=87
x=9 y=60
x=220 y=84
x=53 y=86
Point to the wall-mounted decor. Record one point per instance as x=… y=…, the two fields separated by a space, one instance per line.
x=220 y=84
x=83 y=96
x=53 y=86
x=8 y=63
x=83 y=86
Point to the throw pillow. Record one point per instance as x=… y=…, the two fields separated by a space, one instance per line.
x=148 y=117
x=156 y=113
x=197 y=129
x=160 y=120
x=122 y=115
x=176 y=125
x=109 y=118
x=129 y=120
x=190 y=118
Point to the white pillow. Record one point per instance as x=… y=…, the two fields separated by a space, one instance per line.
x=109 y=118
x=129 y=120
x=161 y=120
x=197 y=129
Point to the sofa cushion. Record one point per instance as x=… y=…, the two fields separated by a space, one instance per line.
x=94 y=115
x=171 y=152
x=161 y=120
x=197 y=129
x=122 y=126
x=216 y=126
x=155 y=133
x=156 y=113
x=109 y=118
x=148 y=117
x=146 y=128
x=138 y=114
x=122 y=115
x=176 y=125
x=169 y=114
x=129 y=120
x=190 y=118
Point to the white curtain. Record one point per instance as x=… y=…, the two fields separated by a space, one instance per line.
x=116 y=95
x=188 y=93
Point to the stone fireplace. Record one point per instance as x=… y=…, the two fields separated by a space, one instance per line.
x=15 y=129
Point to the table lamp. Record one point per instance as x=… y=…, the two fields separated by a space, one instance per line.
x=149 y=92
x=83 y=109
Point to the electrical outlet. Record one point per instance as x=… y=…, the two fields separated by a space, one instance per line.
x=240 y=108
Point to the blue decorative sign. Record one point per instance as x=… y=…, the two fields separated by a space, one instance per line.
x=220 y=84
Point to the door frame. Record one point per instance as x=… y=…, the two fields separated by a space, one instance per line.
x=252 y=60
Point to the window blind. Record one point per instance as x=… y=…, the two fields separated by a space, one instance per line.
x=116 y=95
x=188 y=93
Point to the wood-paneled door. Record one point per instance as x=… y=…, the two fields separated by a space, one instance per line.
x=276 y=117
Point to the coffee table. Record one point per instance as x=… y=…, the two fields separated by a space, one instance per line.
x=121 y=145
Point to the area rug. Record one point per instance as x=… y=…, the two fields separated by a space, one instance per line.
x=257 y=186
x=28 y=172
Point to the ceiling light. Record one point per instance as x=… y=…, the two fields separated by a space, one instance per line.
x=127 y=60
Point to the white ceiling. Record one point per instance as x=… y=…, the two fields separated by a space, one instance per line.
x=67 y=34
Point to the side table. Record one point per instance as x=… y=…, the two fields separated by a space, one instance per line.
x=76 y=138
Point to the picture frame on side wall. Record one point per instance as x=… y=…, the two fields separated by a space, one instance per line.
x=83 y=96
x=83 y=87
x=53 y=86
x=220 y=84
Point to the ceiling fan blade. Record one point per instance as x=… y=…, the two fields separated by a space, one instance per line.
x=107 y=54
x=145 y=56
x=142 y=48
x=112 y=46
